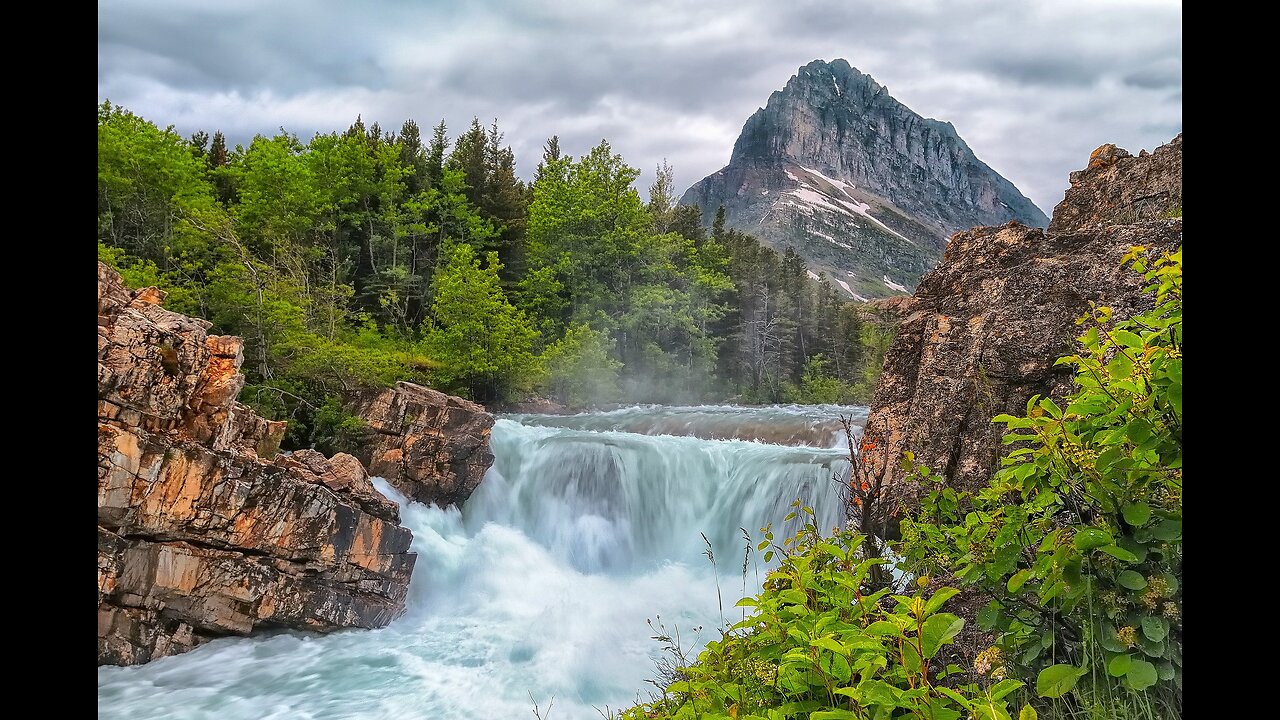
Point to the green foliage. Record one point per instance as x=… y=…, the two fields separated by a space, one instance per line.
x=334 y=259
x=818 y=384
x=483 y=344
x=821 y=643
x=1078 y=538
x=580 y=370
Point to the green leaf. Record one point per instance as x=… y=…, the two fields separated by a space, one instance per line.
x=794 y=596
x=988 y=616
x=833 y=715
x=1119 y=665
x=1127 y=339
x=1028 y=713
x=1004 y=687
x=1174 y=395
x=1136 y=514
x=1032 y=653
x=1118 y=553
x=829 y=643
x=963 y=701
x=1057 y=680
x=1138 y=549
x=939 y=630
x=1120 y=367
x=1169 y=530
x=1089 y=538
x=1156 y=629
x=1131 y=580
x=1141 y=675
x=884 y=628
x=1052 y=408
x=878 y=692
x=1110 y=641
x=911 y=657
x=938 y=599
x=1018 y=580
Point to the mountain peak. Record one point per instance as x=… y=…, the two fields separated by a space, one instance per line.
x=864 y=188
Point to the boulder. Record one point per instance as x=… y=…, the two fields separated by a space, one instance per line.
x=203 y=531
x=430 y=446
x=984 y=329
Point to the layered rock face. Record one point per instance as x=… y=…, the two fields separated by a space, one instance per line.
x=432 y=447
x=202 y=530
x=985 y=328
x=864 y=188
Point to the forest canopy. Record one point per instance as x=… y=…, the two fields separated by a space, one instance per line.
x=361 y=257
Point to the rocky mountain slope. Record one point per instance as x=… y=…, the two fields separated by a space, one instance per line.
x=204 y=529
x=865 y=189
x=983 y=331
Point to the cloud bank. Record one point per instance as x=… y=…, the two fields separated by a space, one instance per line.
x=1032 y=87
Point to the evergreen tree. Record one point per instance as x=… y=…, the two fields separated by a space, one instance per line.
x=436 y=153
x=412 y=157
x=717 y=227
x=662 y=198
x=218 y=150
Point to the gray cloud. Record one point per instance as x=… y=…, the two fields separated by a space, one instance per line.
x=1032 y=87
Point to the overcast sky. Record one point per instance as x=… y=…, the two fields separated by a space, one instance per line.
x=1032 y=85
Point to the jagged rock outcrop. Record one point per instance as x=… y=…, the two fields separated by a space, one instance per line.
x=865 y=189
x=432 y=447
x=984 y=329
x=202 y=530
x=1118 y=188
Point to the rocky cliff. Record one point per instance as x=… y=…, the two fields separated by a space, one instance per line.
x=203 y=531
x=984 y=329
x=864 y=188
x=432 y=447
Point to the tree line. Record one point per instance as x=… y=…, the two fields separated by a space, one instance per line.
x=363 y=257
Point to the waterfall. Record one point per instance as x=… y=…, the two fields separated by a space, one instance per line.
x=585 y=527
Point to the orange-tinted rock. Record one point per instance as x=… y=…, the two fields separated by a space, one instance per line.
x=199 y=535
x=1117 y=188
x=432 y=447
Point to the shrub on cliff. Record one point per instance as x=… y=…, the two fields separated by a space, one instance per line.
x=1078 y=538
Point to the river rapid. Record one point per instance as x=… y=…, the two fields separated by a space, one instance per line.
x=540 y=588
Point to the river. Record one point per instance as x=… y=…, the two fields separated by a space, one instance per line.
x=540 y=588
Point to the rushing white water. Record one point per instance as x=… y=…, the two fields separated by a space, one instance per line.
x=540 y=588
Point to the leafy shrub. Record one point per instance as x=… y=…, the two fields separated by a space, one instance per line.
x=820 y=644
x=1078 y=538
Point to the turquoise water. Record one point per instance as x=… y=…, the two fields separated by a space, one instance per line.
x=540 y=588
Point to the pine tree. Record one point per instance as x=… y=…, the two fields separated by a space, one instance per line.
x=435 y=154
x=469 y=155
x=717 y=227
x=550 y=154
x=218 y=150
x=199 y=143
x=662 y=198
x=411 y=156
